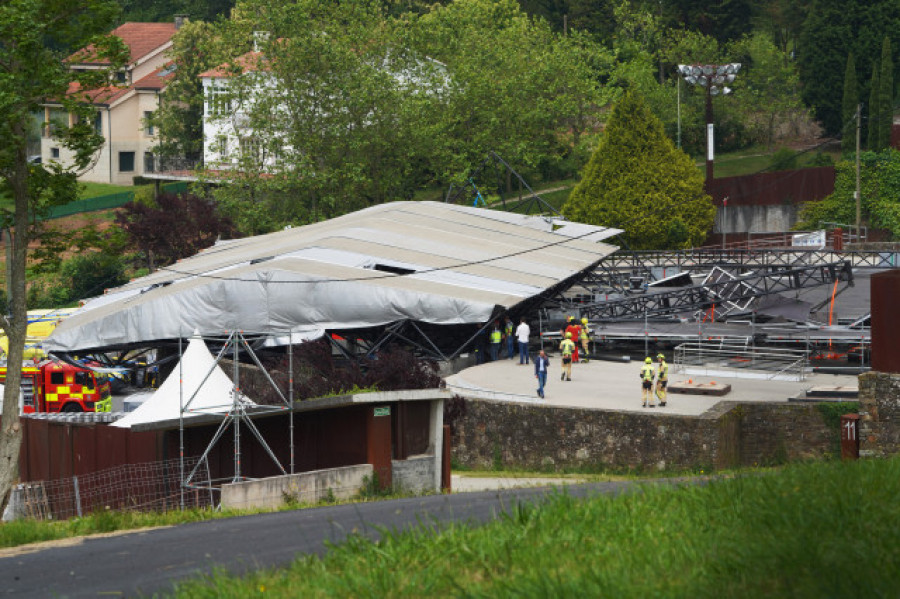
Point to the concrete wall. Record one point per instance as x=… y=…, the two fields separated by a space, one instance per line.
x=415 y=474
x=486 y=434
x=306 y=487
x=879 y=410
x=755 y=219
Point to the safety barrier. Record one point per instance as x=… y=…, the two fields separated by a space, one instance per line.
x=106 y=202
x=740 y=361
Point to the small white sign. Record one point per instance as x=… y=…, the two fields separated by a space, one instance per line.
x=815 y=240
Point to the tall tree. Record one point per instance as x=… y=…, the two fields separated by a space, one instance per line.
x=849 y=107
x=196 y=47
x=885 y=96
x=37 y=35
x=638 y=181
x=833 y=29
x=874 y=139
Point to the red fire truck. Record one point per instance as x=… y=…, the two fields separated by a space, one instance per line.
x=52 y=386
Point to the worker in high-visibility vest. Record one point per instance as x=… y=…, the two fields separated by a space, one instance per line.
x=104 y=405
x=585 y=338
x=567 y=347
x=510 y=332
x=662 y=379
x=496 y=336
x=647 y=382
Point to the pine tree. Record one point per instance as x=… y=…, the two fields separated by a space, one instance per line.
x=885 y=96
x=874 y=110
x=849 y=107
x=638 y=181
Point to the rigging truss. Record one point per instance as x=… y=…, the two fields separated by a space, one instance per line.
x=719 y=289
x=704 y=259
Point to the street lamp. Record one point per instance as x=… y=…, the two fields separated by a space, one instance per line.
x=714 y=78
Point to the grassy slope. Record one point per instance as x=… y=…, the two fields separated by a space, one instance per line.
x=811 y=530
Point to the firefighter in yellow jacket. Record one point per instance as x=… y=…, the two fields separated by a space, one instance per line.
x=567 y=347
x=647 y=382
x=662 y=379
x=585 y=338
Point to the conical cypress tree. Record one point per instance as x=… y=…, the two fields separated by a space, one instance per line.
x=885 y=96
x=874 y=111
x=849 y=107
x=637 y=180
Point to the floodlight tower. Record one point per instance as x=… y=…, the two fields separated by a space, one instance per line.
x=714 y=78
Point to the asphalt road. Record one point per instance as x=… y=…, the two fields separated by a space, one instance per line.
x=143 y=563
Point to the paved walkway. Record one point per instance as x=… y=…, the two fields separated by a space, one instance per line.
x=616 y=386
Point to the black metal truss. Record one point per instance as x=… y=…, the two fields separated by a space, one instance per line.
x=731 y=290
x=704 y=259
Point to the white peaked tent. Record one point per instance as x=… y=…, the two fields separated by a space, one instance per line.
x=214 y=396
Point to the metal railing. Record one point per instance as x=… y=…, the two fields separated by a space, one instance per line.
x=739 y=361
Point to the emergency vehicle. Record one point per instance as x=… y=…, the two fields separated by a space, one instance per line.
x=52 y=386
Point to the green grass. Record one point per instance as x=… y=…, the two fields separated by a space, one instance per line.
x=809 y=530
x=93 y=190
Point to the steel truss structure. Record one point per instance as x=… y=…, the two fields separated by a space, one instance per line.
x=704 y=259
x=721 y=289
x=239 y=412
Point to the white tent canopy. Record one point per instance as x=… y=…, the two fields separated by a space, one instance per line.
x=429 y=262
x=210 y=396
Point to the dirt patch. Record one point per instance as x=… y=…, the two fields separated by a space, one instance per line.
x=69 y=541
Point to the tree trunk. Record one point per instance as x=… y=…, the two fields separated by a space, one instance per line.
x=15 y=323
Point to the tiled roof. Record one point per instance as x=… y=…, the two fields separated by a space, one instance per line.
x=248 y=62
x=141 y=39
x=156 y=80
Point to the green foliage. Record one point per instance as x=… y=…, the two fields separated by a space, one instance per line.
x=638 y=181
x=783 y=159
x=875 y=111
x=885 y=97
x=769 y=534
x=832 y=30
x=849 y=107
x=880 y=188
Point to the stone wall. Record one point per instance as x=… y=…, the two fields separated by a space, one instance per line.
x=488 y=434
x=879 y=410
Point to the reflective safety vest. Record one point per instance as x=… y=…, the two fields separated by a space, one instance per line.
x=567 y=347
x=647 y=372
x=663 y=371
x=495 y=336
x=509 y=328
x=104 y=405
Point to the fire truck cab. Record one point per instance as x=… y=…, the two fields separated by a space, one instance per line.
x=52 y=386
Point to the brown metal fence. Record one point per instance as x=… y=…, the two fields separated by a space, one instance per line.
x=781 y=187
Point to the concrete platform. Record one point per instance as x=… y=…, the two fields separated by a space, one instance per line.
x=616 y=386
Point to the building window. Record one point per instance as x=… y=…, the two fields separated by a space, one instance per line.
x=149 y=163
x=126 y=162
x=148 y=126
x=54 y=152
x=98 y=123
x=121 y=77
x=250 y=149
x=218 y=103
x=221 y=146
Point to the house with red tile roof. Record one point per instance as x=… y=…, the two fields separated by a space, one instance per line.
x=122 y=108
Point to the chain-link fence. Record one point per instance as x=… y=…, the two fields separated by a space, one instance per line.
x=145 y=487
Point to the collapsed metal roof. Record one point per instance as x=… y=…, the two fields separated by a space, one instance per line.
x=426 y=262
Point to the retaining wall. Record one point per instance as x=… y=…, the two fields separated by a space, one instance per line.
x=879 y=410
x=488 y=434
x=306 y=487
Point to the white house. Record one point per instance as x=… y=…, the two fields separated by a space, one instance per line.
x=123 y=109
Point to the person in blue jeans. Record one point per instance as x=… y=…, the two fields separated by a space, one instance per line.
x=510 y=338
x=541 y=364
x=522 y=333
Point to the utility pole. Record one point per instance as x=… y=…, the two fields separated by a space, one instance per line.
x=858 y=209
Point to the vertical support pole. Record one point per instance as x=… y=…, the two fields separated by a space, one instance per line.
x=446 y=477
x=858 y=207
x=235 y=406
x=678 y=86
x=77 y=496
x=709 y=140
x=181 y=422
x=291 y=393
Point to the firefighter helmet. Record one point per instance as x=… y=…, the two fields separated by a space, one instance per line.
x=648 y=360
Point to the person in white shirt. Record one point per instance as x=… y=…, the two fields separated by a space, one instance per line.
x=522 y=333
